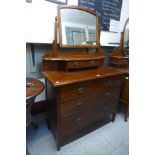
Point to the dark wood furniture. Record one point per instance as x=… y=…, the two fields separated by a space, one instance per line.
x=81 y=92
x=124 y=96
x=79 y=57
x=33 y=88
x=82 y=99
x=119 y=59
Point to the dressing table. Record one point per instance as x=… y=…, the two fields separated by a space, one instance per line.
x=120 y=59
x=81 y=92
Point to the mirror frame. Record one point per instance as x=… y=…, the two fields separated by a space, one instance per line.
x=125 y=25
x=127 y=21
x=60 y=28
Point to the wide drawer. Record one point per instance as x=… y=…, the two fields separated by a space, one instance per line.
x=75 y=122
x=79 y=64
x=87 y=102
x=77 y=90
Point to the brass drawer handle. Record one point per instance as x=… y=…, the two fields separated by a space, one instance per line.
x=81 y=90
x=77 y=63
x=79 y=106
x=92 y=62
x=78 y=120
x=107 y=94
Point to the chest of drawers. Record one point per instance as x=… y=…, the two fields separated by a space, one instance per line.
x=80 y=99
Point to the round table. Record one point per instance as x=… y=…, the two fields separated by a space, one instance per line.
x=33 y=88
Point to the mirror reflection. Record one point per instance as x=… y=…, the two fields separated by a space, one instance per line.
x=78 y=27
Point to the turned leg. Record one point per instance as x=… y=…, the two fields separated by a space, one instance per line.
x=48 y=125
x=58 y=147
x=126 y=112
x=113 y=117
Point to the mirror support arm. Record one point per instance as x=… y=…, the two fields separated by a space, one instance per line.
x=54 y=45
x=122 y=41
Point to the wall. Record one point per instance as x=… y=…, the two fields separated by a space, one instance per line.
x=108 y=37
x=39 y=51
x=40 y=17
x=35 y=70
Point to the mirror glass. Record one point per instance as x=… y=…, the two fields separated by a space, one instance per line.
x=126 y=37
x=78 y=27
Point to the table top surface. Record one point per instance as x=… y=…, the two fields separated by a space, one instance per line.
x=33 y=87
x=57 y=78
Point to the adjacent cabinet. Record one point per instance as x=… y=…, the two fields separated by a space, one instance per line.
x=82 y=93
x=120 y=59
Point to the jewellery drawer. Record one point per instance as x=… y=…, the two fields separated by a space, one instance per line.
x=78 y=121
x=75 y=64
x=94 y=62
x=78 y=64
x=78 y=105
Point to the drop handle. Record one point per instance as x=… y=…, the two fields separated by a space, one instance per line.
x=78 y=120
x=81 y=90
x=76 y=63
x=107 y=94
x=92 y=62
x=79 y=105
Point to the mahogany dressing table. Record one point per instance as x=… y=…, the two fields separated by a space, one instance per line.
x=80 y=91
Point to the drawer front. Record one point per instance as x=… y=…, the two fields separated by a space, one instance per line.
x=82 y=104
x=73 y=91
x=94 y=62
x=78 y=90
x=78 y=64
x=78 y=121
x=111 y=82
x=77 y=105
